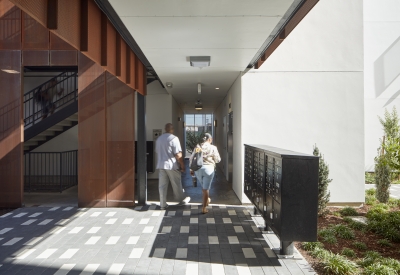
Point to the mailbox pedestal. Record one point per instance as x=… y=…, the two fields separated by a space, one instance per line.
x=283 y=186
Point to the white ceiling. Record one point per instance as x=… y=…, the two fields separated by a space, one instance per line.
x=230 y=31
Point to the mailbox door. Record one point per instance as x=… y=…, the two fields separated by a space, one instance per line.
x=277 y=217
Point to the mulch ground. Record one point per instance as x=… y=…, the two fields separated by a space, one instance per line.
x=369 y=238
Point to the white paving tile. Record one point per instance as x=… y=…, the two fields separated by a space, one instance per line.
x=76 y=230
x=227 y=220
x=25 y=253
x=127 y=221
x=62 y=222
x=46 y=221
x=12 y=241
x=184 y=229
x=246 y=212
x=115 y=269
x=194 y=220
x=69 y=253
x=90 y=269
x=217 y=269
x=210 y=220
x=64 y=269
x=110 y=214
x=243 y=270
x=111 y=221
x=222 y=206
x=6 y=215
x=255 y=228
x=94 y=230
x=113 y=240
x=194 y=206
x=33 y=241
x=95 y=214
x=34 y=215
x=270 y=253
x=233 y=240
x=20 y=215
x=136 y=253
x=152 y=207
x=54 y=208
x=213 y=240
x=138 y=208
x=186 y=213
x=181 y=253
x=144 y=221
x=148 y=229
x=249 y=253
x=133 y=240
x=193 y=240
x=57 y=230
x=238 y=229
x=156 y=214
x=28 y=222
x=232 y=212
x=171 y=213
x=166 y=229
x=93 y=240
x=159 y=253
x=192 y=269
x=67 y=208
x=5 y=230
x=47 y=253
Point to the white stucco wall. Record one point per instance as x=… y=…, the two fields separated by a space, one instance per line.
x=381 y=69
x=310 y=91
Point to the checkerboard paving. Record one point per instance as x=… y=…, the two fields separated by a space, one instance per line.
x=143 y=240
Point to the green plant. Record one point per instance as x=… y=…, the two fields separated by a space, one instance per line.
x=348 y=211
x=382 y=179
x=339 y=265
x=391 y=145
x=384 y=242
x=310 y=246
x=323 y=182
x=370 y=200
x=370 y=257
x=326 y=232
x=348 y=252
x=320 y=253
x=336 y=214
x=192 y=139
x=371 y=191
x=330 y=239
x=379 y=269
x=394 y=202
x=395 y=264
x=369 y=177
x=360 y=245
x=344 y=232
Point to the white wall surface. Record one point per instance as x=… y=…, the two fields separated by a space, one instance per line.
x=310 y=91
x=66 y=141
x=381 y=69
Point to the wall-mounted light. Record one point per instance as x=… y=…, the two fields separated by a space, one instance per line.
x=200 y=61
x=216 y=88
x=169 y=85
x=10 y=71
x=215 y=123
x=198 y=106
x=199 y=88
x=179 y=119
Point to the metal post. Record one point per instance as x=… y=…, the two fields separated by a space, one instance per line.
x=29 y=172
x=60 y=172
x=141 y=150
x=286 y=248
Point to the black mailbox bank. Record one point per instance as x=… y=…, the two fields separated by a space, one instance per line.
x=283 y=186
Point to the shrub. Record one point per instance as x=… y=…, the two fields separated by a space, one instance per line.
x=323 y=182
x=384 y=223
x=370 y=258
x=382 y=179
x=330 y=239
x=348 y=252
x=342 y=231
x=370 y=192
x=326 y=232
x=336 y=214
x=310 y=246
x=360 y=245
x=370 y=200
x=394 y=202
x=347 y=219
x=320 y=253
x=379 y=269
x=384 y=242
x=357 y=225
x=348 y=211
x=369 y=178
x=395 y=264
x=339 y=265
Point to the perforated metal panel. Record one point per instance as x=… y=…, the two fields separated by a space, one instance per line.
x=37 y=9
x=35 y=35
x=69 y=21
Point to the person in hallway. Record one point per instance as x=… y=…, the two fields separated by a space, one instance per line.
x=205 y=174
x=50 y=90
x=171 y=164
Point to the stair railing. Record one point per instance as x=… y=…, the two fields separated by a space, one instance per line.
x=34 y=109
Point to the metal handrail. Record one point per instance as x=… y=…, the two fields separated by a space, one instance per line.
x=33 y=109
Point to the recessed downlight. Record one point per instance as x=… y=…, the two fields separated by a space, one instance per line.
x=216 y=88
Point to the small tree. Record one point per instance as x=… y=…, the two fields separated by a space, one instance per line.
x=382 y=178
x=192 y=139
x=323 y=182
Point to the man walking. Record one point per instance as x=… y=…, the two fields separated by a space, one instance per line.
x=170 y=164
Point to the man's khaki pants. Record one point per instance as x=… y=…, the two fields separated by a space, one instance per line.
x=166 y=176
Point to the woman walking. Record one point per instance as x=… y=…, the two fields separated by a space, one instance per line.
x=206 y=173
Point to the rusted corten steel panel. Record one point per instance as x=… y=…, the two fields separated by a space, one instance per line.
x=35 y=36
x=94 y=32
x=57 y=43
x=64 y=58
x=132 y=66
x=123 y=61
x=111 y=48
x=69 y=21
x=35 y=58
x=140 y=71
x=35 y=8
x=10 y=22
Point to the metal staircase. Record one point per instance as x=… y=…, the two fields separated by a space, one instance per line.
x=39 y=130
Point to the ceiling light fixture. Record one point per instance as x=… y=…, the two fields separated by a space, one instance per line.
x=10 y=71
x=199 y=88
x=198 y=106
x=200 y=61
x=169 y=85
x=216 y=88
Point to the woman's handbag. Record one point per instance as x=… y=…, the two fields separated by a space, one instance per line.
x=197 y=161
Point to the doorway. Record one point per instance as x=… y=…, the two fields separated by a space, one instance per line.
x=195 y=126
